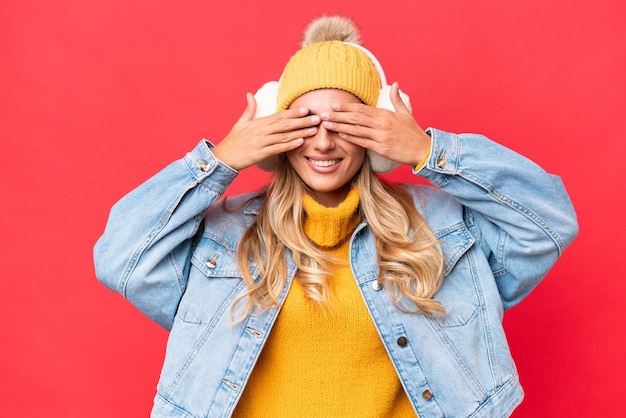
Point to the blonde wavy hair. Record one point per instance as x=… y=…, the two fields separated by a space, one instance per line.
x=409 y=255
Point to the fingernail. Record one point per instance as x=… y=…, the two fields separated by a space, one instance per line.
x=303 y=111
x=325 y=115
x=336 y=106
x=328 y=124
x=315 y=119
x=342 y=135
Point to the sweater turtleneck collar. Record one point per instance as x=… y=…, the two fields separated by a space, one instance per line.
x=329 y=227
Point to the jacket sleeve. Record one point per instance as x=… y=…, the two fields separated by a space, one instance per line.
x=145 y=250
x=520 y=215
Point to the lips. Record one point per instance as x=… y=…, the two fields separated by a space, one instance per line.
x=324 y=163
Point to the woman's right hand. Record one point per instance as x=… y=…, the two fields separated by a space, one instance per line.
x=252 y=140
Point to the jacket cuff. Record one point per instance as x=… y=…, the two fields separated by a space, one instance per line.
x=443 y=159
x=207 y=169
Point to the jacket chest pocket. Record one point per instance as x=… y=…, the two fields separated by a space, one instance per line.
x=460 y=292
x=214 y=283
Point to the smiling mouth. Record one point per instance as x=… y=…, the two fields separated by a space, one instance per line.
x=324 y=163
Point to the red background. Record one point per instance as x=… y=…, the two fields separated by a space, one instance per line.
x=95 y=96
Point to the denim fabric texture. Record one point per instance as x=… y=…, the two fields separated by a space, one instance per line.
x=169 y=248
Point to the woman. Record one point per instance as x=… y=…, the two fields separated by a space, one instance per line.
x=332 y=292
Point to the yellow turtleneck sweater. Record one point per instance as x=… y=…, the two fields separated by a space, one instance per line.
x=325 y=363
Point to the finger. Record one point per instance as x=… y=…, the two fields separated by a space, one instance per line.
x=280 y=144
x=286 y=137
x=250 y=110
x=289 y=120
x=396 y=99
x=363 y=142
x=350 y=129
x=352 y=113
x=282 y=147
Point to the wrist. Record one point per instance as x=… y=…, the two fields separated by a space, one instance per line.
x=426 y=141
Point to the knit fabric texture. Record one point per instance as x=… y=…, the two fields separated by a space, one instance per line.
x=325 y=363
x=330 y=64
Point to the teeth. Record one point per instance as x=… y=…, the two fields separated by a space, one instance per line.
x=324 y=163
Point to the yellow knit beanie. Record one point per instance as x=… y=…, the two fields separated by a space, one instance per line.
x=330 y=64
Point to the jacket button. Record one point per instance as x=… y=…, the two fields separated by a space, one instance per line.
x=427 y=395
x=204 y=166
x=441 y=160
x=212 y=263
x=376 y=285
x=402 y=341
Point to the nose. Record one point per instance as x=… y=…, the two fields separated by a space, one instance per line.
x=323 y=139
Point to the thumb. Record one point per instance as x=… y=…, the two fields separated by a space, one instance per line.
x=396 y=99
x=250 y=110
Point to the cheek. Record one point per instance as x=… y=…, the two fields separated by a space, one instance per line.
x=357 y=155
x=291 y=157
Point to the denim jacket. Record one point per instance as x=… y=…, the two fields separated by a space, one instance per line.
x=169 y=248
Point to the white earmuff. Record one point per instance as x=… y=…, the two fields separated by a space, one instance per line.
x=266 y=98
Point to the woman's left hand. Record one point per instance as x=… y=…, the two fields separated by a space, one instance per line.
x=393 y=135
